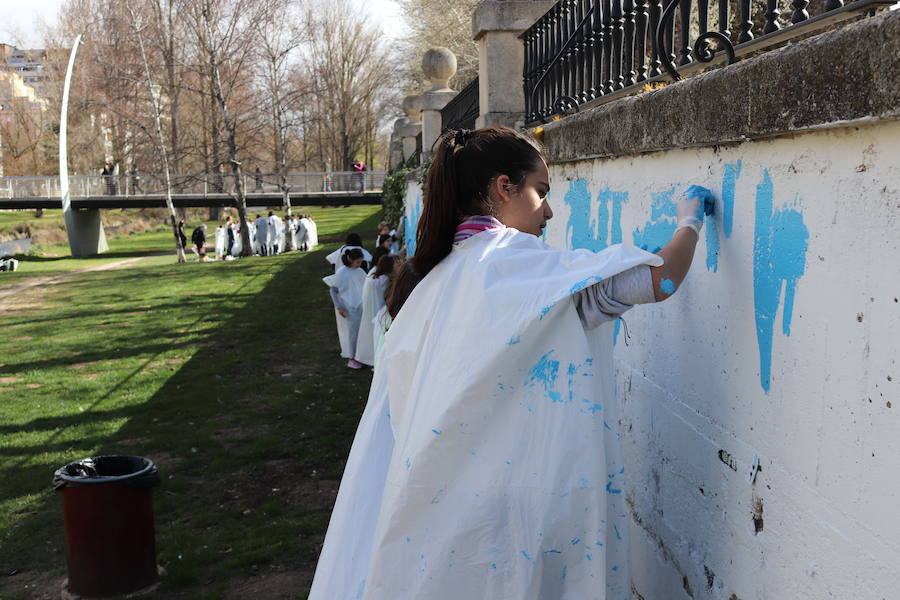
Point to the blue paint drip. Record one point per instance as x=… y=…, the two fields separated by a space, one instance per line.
x=580 y=228
x=661 y=227
x=545 y=371
x=729 y=180
x=667 y=286
x=582 y=231
x=617 y=326
x=713 y=248
x=779 y=260
x=614 y=217
x=410 y=225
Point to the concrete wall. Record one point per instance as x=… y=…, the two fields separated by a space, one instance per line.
x=761 y=401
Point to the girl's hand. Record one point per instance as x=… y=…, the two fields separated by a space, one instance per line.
x=694 y=203
x=342 y=312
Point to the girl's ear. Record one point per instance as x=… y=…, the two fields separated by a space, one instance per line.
x=500 y=189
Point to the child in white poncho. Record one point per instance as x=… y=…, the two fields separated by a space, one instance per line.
x=346 y=288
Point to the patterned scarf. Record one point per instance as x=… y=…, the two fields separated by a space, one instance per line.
x=476 y=224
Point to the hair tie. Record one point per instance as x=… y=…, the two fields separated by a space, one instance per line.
x=462 y=137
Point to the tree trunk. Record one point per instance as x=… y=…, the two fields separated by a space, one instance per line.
x=154 y=101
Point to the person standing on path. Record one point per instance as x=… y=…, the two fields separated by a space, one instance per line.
x=487 y=463
x=229 y=232
x=198 y=237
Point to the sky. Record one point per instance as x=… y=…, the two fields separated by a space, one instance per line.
x=20 y=19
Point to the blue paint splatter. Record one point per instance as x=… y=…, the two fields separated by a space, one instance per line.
x=667 y=286
x=545 y=372
x=410 y=225
x=436 y=431
x=565 y=572
x=513 y=341
x=552 y=552
x=661 y=227
x=615 y=567
x=618 y=326
x=575 y=541
x=360 y=590
x=779 y=260
x=589 y=557
x=527 y=556
x=618 y=535
x=493 y=565
x=611 y=489
x=408 y=463
x=584 y=283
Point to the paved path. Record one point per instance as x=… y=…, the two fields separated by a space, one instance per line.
x=8 y=295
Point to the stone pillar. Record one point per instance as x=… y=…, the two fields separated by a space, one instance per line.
x=439 y=65
x=395 y=147
x=86 y=234
x=496 y=26
x=412 y=125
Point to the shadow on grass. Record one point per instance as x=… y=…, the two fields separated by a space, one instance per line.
x=250 y=435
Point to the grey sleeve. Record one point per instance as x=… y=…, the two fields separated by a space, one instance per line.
x=608 y=299
x=336 y=297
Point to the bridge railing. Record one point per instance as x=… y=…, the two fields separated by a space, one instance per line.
x=193 y=184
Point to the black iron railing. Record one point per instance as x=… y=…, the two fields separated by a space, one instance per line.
x=586 y=52
x=461 y=112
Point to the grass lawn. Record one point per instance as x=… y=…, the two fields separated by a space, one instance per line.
x=226 y=374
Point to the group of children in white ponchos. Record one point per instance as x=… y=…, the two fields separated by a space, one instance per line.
x=358 y=289
x=268 y=235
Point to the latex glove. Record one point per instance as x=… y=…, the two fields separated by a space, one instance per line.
x=694 y=203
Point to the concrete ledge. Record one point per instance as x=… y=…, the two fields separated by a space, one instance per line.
x=831 y=79
x=505 y=15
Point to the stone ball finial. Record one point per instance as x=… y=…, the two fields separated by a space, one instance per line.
x=412 y=106
x=439 y=65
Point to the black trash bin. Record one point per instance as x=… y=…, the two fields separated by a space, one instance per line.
x=108 y=515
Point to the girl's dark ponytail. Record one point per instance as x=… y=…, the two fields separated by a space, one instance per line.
x=440 y=211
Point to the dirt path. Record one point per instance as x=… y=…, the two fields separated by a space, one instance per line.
x=8 y=296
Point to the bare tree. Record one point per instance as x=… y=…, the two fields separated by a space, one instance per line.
x=277 y=46
x=153 y=101
x=231 y=30
x=354 y=74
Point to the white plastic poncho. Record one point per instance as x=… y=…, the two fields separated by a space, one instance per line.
x=347 y=349
x=487 y=461
x=312 y=231
x=349 y=284
x=300 y=234
x=220 y=241
x=237 y=246
x=372 y=302
x=335 y=257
